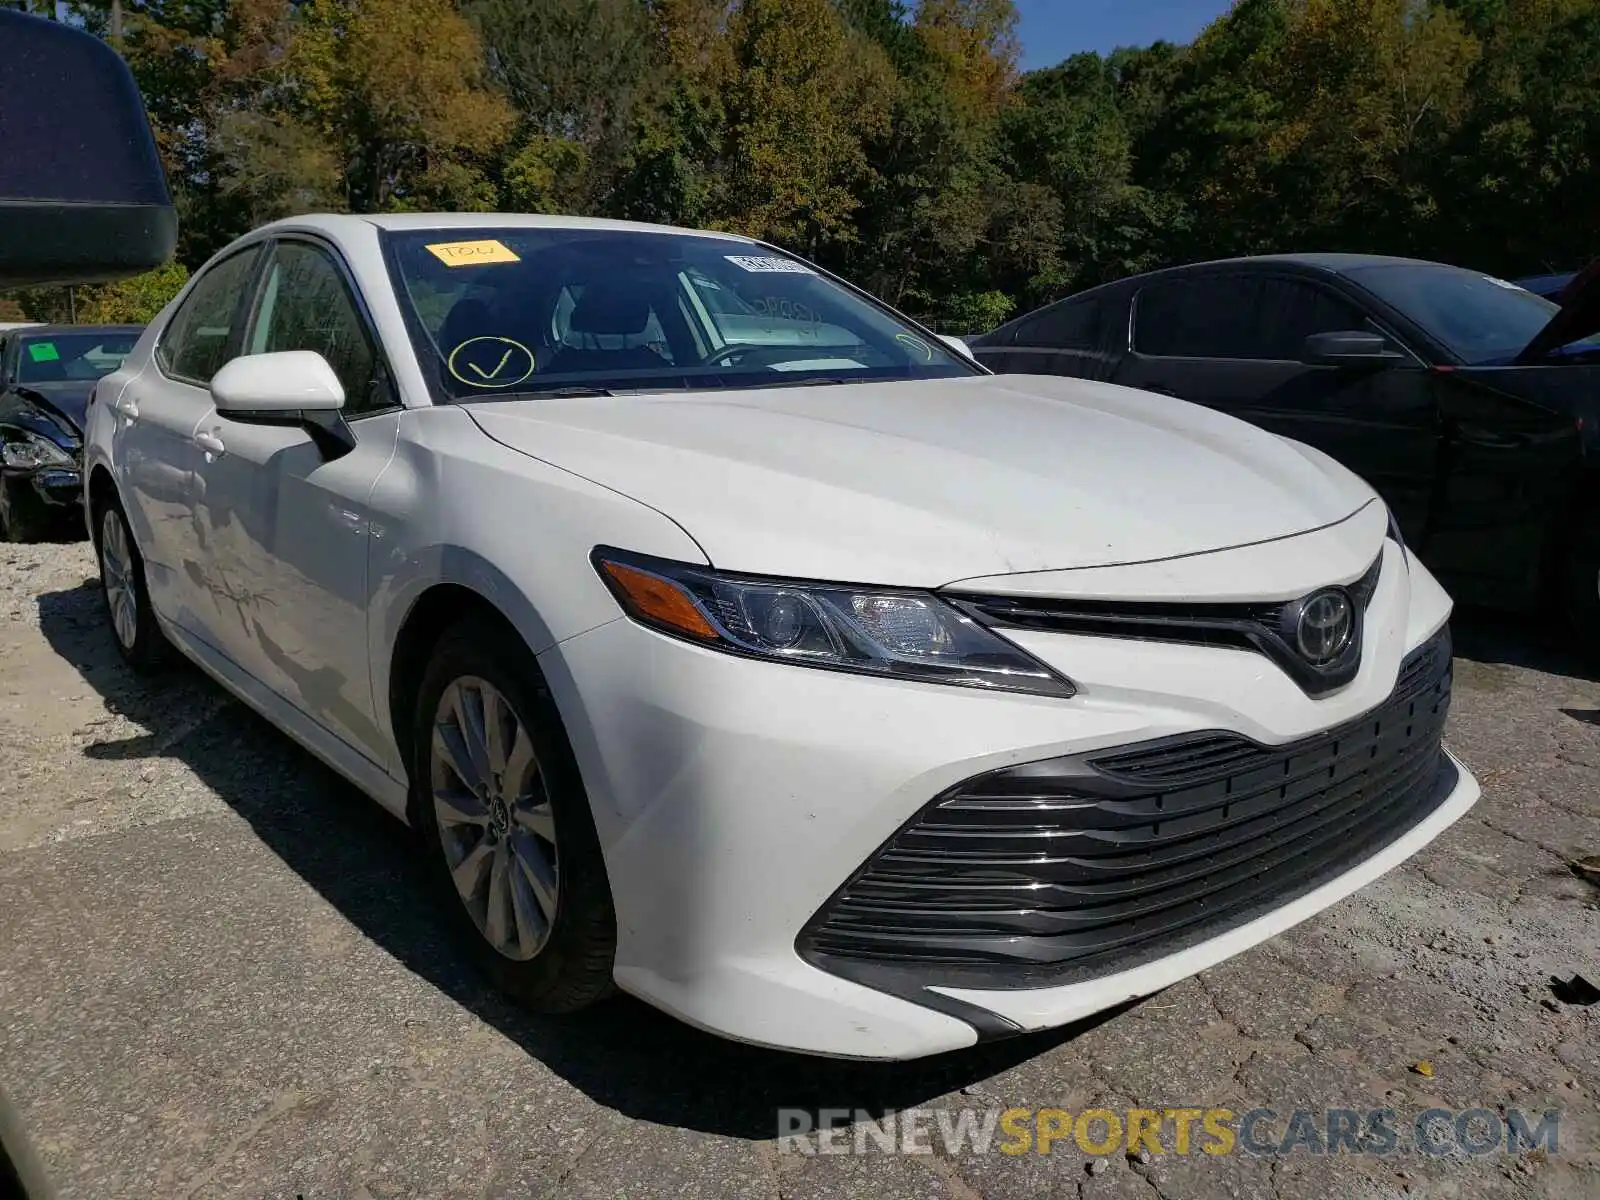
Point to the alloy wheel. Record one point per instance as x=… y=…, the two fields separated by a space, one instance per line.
x=116 y=573
x=496 y=825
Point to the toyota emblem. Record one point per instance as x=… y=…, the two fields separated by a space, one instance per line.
x=1323 y=629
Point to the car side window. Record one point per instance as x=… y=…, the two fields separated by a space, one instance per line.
x=1237 y=316
x=200 y=337
x=1288 y=311
x=306 y=305
x=1067 y=325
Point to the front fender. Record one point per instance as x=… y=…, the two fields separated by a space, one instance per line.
x=455 y=507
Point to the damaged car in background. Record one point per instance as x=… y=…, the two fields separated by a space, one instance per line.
x=46 y=375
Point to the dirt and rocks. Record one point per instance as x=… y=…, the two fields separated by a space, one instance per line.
x=217 y=978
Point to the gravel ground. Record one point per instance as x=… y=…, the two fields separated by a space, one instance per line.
x=216 y=979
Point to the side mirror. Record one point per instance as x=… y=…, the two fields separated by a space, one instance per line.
x=286 y=383
x=1346 y=348
x=959 y=345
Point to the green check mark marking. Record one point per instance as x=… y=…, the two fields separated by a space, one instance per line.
x=498 y=367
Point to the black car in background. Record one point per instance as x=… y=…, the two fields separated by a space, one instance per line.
x=46 y=374
x=1470 y=404
x=1548 y=286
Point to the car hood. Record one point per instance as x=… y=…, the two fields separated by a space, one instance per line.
x=66 y=400
x=1578 y=317
x=25 y=407
x=923 y=483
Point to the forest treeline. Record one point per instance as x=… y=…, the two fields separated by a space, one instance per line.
x=894 y=142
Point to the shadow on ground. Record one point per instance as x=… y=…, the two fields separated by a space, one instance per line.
x=623 y=1053
x=1499 y=638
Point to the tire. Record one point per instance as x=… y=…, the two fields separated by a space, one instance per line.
x=122 y=583
x=554 y=951
x=19 y=522
x=1580 y=586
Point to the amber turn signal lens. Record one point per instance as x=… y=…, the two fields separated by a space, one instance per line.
x=652 y=598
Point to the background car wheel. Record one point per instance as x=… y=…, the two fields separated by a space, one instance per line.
x=506 y=824
x=133 y=623
x=1580 y=586
x=17 y=522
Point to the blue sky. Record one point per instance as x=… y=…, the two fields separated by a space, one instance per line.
x=1050 y=30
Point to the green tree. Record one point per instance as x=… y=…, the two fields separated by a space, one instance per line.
x=581 y=74
x=134 y=301
x=1522 y=169
x=399 y=90
x=800 y=91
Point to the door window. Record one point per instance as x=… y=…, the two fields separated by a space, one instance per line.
x=1069 y=325
x=1238 y=316
x=200 y=337
x=305 y=305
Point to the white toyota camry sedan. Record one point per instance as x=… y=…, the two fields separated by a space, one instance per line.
x=733 y=641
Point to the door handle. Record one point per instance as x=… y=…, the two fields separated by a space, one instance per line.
x=127 y=408
x=211 y=444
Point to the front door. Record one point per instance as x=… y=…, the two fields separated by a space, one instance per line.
x=286 y=521
x=1233 y=342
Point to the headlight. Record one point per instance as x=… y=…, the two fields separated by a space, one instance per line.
x=31 y=451
x=892 y=633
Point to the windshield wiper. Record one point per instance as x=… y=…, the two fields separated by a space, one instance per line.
x=783 y=383
x=555 y=392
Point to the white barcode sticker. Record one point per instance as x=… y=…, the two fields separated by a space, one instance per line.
x=768 y=263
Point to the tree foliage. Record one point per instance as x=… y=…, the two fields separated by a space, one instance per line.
x=895 y=141
x=135 y=301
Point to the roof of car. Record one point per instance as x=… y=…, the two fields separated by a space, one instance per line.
x=1328 y=261
x=402 y=222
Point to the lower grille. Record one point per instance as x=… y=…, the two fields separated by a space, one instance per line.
x=1078 y=866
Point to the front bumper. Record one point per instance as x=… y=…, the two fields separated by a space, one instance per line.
x=735 y=799
x=44 y=493
x=58 y=487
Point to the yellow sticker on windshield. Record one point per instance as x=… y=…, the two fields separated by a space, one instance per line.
x=470 y=254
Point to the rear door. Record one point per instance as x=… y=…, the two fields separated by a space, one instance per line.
x=1081 y=336
x=155 y=416
x=1232 y=341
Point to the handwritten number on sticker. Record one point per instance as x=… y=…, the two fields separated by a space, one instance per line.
x=472 y=254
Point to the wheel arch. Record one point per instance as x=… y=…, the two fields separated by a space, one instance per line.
x=437 y=609
x=102 y=489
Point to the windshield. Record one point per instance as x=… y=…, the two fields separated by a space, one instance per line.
x=1482 y=320
x=502 y=312
x=69 y=357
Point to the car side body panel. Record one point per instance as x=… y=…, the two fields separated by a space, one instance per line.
x=1514 y=476
x=518 y=534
